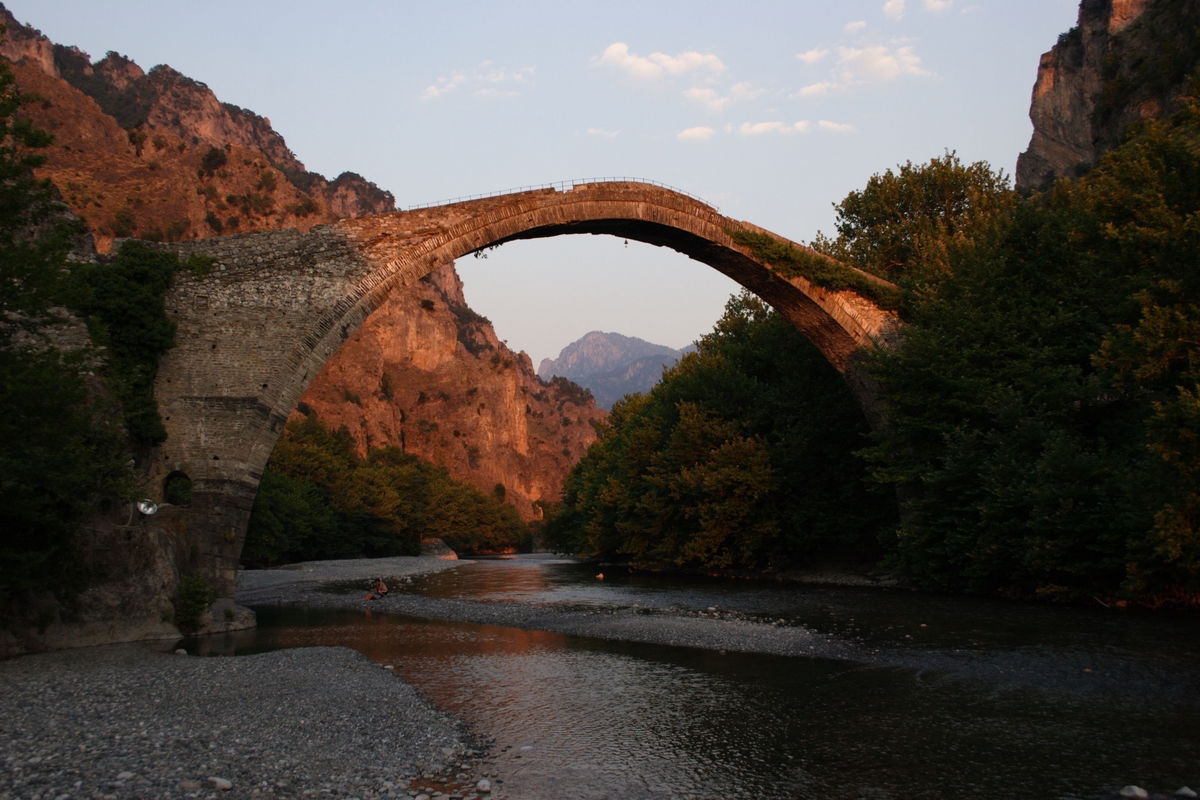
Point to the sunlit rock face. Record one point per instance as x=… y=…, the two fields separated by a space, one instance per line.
x=427 y=374
x=1124 y=61
x=156 y=155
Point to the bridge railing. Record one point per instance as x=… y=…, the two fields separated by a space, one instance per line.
x=561 y=186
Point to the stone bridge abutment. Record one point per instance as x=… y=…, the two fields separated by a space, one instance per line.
x=254 y=331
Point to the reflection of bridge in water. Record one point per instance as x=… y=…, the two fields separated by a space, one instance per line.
x=254 y=331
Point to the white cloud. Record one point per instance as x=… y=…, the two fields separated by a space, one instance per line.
x=657 y=65
x=773 y=128
x=602 y=133
x=701 y=133
x=854 y=27
x=862 y=66
x=938 y=5
x=444 y=85
x=488 y=80
x=816 y=89
x=877 y=64
x=813 y=56
x=893 y=9
x=835 y=127
x=710 y=99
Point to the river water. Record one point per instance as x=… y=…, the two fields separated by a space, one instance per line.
x=928 y=697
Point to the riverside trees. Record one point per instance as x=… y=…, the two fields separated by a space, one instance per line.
x=741 y=458
x=1042 y=404
x=319 y=499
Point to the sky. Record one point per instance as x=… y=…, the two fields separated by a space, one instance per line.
x=770 y=110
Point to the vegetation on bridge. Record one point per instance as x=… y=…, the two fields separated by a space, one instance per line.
x=824 y=271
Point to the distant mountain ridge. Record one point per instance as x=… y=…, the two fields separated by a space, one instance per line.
x=611 y=365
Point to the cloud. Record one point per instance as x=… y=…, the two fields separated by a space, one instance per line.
x=773 y=128
x=877 y=64
x=816 y=89
x=487 y=80
x=854 y=27
x=938 y=5
x=657 y=66
x=604 y=134
x=701 y=133
x=444 y=85
x=893 y=9
x=813 y=56
x=714 y=102
x=835 y=127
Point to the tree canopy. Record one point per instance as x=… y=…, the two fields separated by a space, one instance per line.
x=1042 y=401
x=741 y=458
x=320 y=499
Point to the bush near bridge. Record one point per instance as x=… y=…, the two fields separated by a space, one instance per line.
x=319 y=499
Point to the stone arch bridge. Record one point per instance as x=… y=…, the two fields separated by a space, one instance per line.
x=256 y=329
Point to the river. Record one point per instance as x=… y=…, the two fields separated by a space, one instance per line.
x=922 y=697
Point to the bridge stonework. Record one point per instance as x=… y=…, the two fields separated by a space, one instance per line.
x=256 y=329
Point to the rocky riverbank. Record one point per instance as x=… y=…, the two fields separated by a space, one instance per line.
x=141 y=721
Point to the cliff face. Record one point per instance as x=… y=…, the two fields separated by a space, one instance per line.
x=1124 y=61
x=157 y=156
x=430 y=376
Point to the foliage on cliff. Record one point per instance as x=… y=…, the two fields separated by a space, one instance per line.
x=1043 y=403
x=123 y=299
x=741 y=458
x=319 y=499
x=59 y=453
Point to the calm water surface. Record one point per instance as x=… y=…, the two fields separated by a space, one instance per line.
x=941 y=698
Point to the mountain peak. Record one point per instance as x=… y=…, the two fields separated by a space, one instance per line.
x=611 y=365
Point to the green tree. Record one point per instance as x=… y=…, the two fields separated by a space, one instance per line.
x=1039 y=414
x=903 y=225
x=320 y=499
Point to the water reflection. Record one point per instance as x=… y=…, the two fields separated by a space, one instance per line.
x=585 y=718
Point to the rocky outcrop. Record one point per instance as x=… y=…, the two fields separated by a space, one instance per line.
x=1125 y=60
x=157 y=156
x=610 y=365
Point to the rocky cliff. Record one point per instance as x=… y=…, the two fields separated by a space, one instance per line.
x=1124 y=61
x=427 y=374
x=611 y=365
x=155 y=155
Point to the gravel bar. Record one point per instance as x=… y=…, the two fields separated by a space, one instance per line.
x=133 y=721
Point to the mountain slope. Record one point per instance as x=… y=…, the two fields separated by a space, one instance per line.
x=157 y=156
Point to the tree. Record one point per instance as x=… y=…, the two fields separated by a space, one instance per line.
x=903 y=225
x=1040 y=422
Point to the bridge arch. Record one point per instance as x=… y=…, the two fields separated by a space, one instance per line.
x=254 y=331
